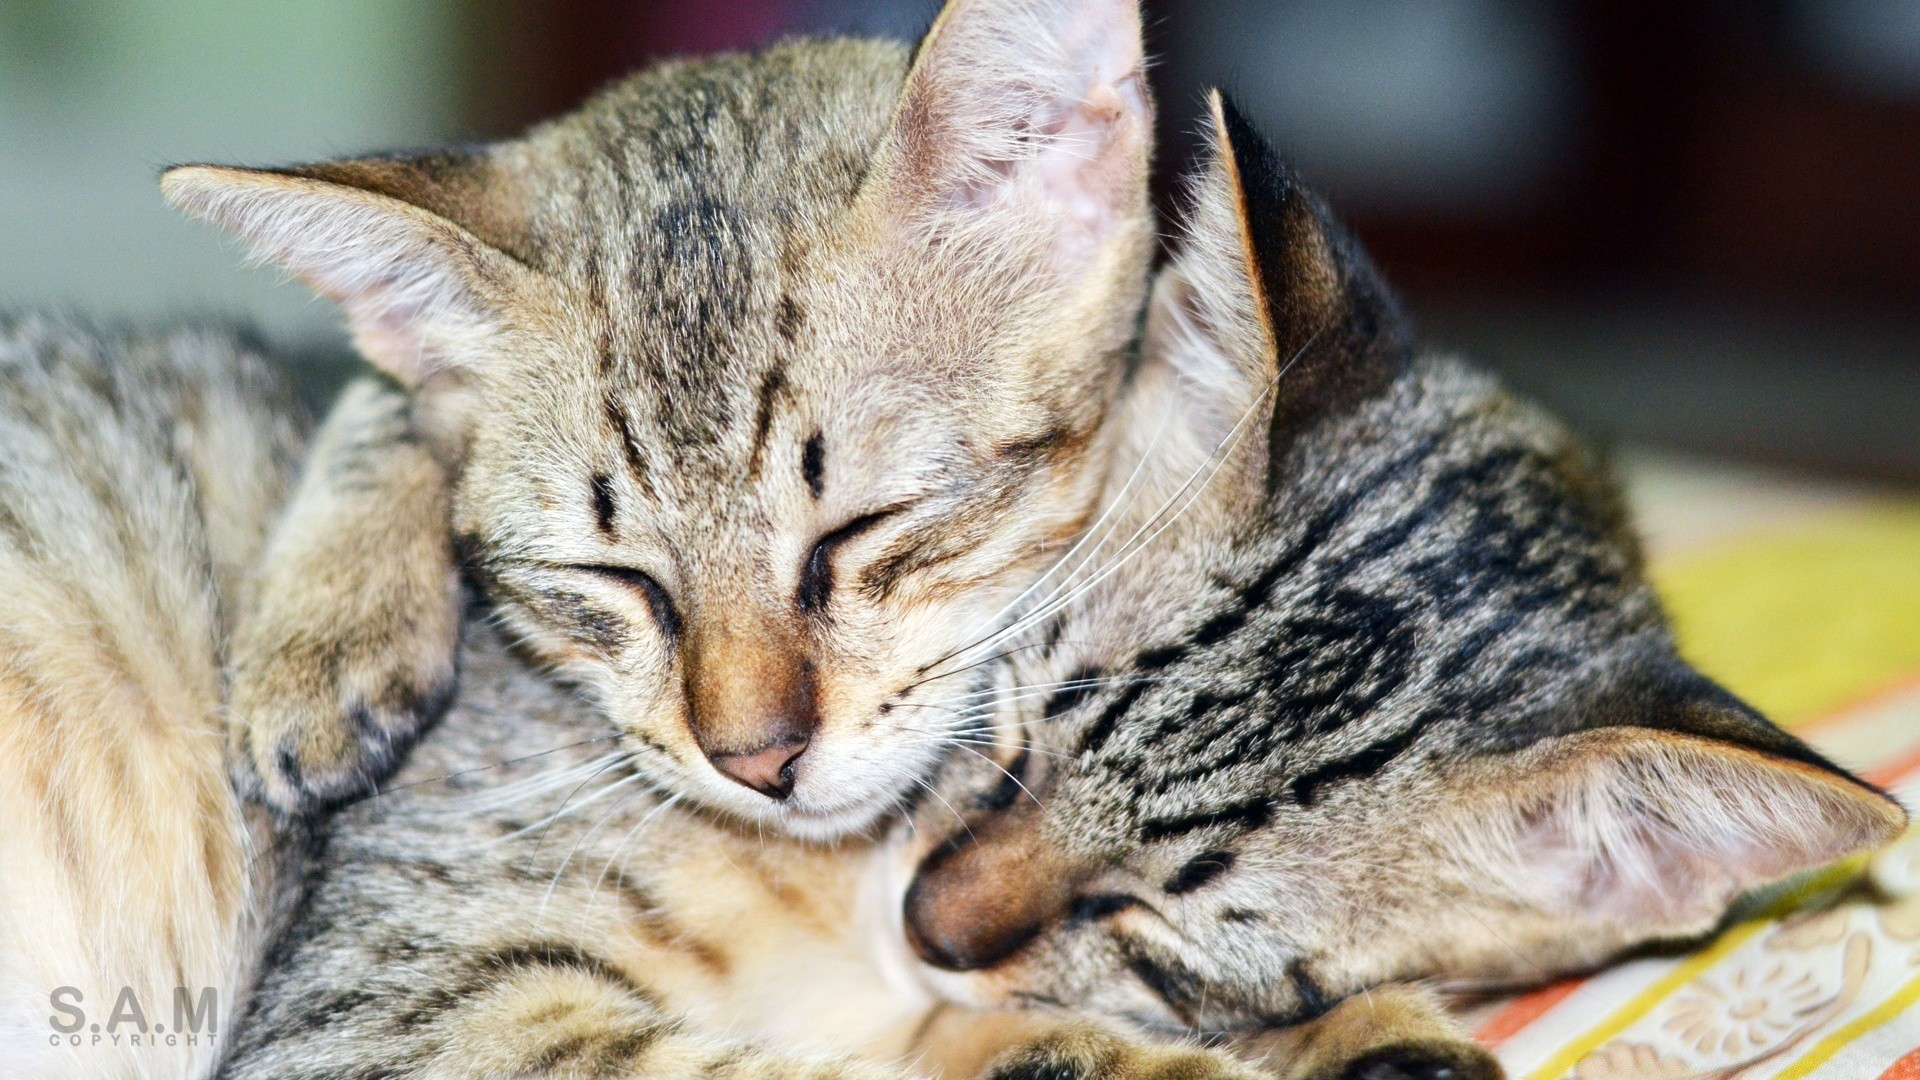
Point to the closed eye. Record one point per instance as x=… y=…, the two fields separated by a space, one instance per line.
x=643 y=583
x=816 y=573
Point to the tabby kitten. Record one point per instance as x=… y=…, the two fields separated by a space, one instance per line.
x=762 y=381
x=1387 y=697
x=138 y=475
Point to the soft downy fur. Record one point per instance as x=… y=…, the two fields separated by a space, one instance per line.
x=761 y=381
x=138 y=476
x=520 y=902
x=1361 y=684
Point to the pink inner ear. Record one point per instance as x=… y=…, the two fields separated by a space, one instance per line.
x=390 y=337
x=1033 y=107
x=1662 y=832
x=1656 y=877
x=1087 y=172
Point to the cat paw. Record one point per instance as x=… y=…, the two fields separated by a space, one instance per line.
x=346 y=649
x=1098 y=1055
x=1425 y=1061
x=323 y=717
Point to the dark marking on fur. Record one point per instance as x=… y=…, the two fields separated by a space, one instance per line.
x=1203 y=868
x=486 y=972
x=649 y=914
x=816 y=574
x=771 y=386
x=1078 y=687
x=1425 y=1059
x=813 y=465
x=1306 y=787
x=629 y=443
x=665 y=615
x=1170 y=984
x=603 y=504
x=788 y=317
x=1011 y=787
x=1247 y=815
x=1093 y=908
x=1027 y=452
x=1314 y=1000
x=1103 y=726
x=1038 y=1065
x=581 y=618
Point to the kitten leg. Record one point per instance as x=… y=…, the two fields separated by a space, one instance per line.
x=1388 y=1033
x=957 y=1043
x=536 y=1012
x=348 y=647
x=567 y=1023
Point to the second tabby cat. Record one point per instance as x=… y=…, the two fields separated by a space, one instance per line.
x=1384 y=697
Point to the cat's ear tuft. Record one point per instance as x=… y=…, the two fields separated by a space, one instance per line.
x=1039 y=107
x=419 y=291
x=1270 y=294
x=1656 y=829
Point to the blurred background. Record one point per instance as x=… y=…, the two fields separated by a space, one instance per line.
x=1691 y=224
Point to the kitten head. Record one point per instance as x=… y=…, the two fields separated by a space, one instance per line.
x=1388 y=699
x=768 y=379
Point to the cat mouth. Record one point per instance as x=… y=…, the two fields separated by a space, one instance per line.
x=825 y=823
x=844 y=794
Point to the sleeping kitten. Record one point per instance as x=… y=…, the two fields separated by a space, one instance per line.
x=138 y=475
x=763 y=382
x=1361 y=683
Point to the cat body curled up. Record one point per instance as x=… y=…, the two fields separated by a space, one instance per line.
x=140 y=473
x=1355 y=683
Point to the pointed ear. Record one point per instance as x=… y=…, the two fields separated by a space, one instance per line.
x=1270 y=292
x=419 y=291
x=1031 y=108
x=1656 y=829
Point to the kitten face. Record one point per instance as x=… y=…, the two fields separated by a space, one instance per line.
x=768 y=379
x=1389 y=700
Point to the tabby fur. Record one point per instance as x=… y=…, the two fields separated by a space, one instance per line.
x=759 y=381
x=1362 y=683
x=139 y=474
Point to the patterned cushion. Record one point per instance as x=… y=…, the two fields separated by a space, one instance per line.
x=1805 y=600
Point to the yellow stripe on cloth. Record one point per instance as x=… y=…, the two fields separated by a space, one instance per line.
x=1684 y=972
x=1645 y=1001
x=1824 y=1050
x=1804 y=618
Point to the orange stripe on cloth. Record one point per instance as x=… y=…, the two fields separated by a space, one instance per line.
x=1520 y=1012
x=1893 y=690
x=1894 y=771
x=1907 y=1068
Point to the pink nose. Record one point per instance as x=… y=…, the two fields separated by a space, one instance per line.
x=767 y=770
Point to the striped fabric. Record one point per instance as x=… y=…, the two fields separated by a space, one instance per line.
x=1806 y=601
